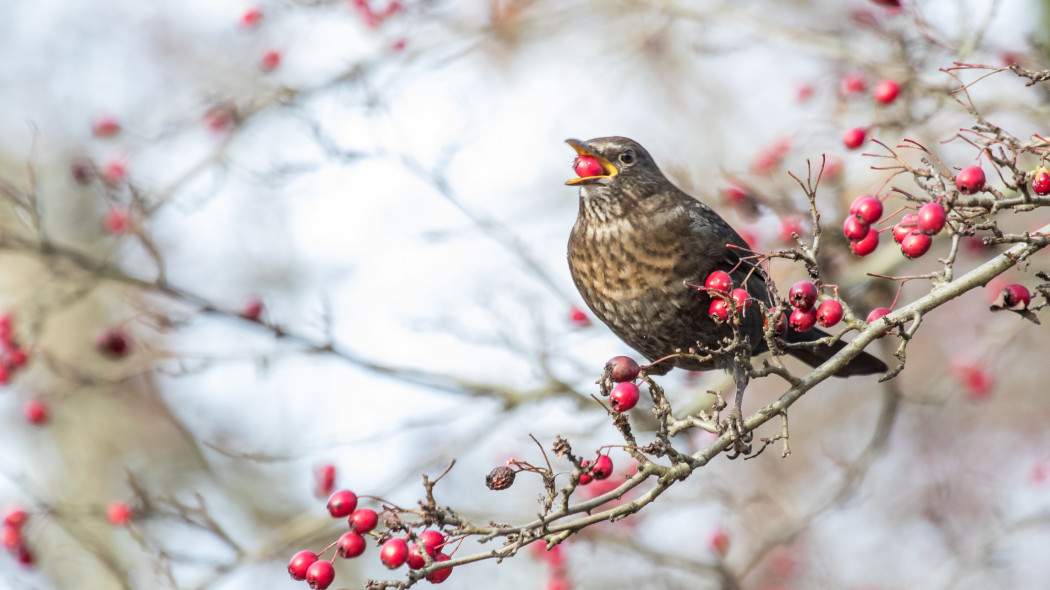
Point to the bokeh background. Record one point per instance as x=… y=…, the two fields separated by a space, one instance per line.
x=387 y=179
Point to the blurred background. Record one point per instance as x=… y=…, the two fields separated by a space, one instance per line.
x=241 y=242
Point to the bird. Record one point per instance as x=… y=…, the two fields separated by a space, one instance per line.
x=639 y=254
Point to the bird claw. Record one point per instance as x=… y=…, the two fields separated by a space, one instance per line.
x=734 y=425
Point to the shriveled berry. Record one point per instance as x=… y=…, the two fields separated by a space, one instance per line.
x=742 y=299
x=829 y=313
x=854 y=229
x=438 y=576
x=342 y=503
x=867 y=209
x=719 y=281
x=320 y=574
x=587 y=166
x=802 y=295
x=719 y=310
x=364 y=520
x=500 y=478
x=867 y=245
x=624 y=396
x=931 y=218
x=886 y=91
x=622 y=368
x=854 y=138
x=603 y=467
x=970 y=180
x=300 y=563
x=351 y=544
x=432 y=539
x=394 y=553
x=877 y=314
x=1016 y=296
x=802 y=319
x=118 y=513
x=1041 y=181
x=916 y=244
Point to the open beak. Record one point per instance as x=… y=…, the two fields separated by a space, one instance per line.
x=608 y=170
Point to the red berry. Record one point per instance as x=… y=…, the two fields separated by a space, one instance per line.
x=622 y=368
x=802 y=319
x=270 y=60
x=624 y=396
x=788 y=226
x=300 y=563
x=852 y=84
x=802 y=295
x=970 y=180
x=252 y=309
x=1016 y=295
x=719 y=310
x=36 y=412
x=877 y=314
x=1041 y=181
x=585 y=478
x=433 y=540
x=24 y=555
x=415 y=558
x=742 y=299
x=887 y=91
x=114 y=171
x=438 y=576
x=719 y=281
x=781 y=327
x=10 y=537
x=854 y=138
x=854 y=229
x=320 y=574
x=342 y=503
x=351 y=544
x=603 y=467
x=907 y=224
x=251 y=18
x=829 y=313
x=113 y=343
x=325 y=477
x=719 y=542
x=578 y=318
x=394 y=553
x=735 y=195
x=117 y=220
x=867 y=245
x=931 y=218
x=867 y=209
x=105 y=127
x=363 y=520
x=7 y=326
x=586 y=166
x=915 y=244
x=118 y=513
x=15 y=517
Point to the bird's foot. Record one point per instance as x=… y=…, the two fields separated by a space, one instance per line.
x=742 y=437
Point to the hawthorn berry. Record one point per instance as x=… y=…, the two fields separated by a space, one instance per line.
x=907 y=224
x=802 y=295
x=117 y=220
x=603 y=467
x=719 y=281
x=718 y=542
x=105 y=127
x=624 y=396
x=578 y=318
x=351 y=544
x=719 y=310
x=1041 y=181
x=251 y=18
x=852 y=84
x=394 y=553
x=829 y=313
x=622 y=368
x=586 y=166
x=342 y=503
x=16 y=357
x=10 y=537
x=970 y=180
x=415 y=557
x=114 y=171
x=915 y=244
x=854 y=229
x=789 y=226
x=363 y=520
x=252 y=309
x=113 y=343
x=15 y=518
x=118 y=513
x=886 y=91
x=877 y=314
x=325 y=480
x=867 y=209
x=500 y=478
x=802 y=319
x=432 y=539
x=931 y=218
x=24 y=556
x=36 y=412
x=742 y=299
x=854 y=138
x=320 y=574
x=585 y=478
x=438 y=576
x=867 y=245
x=735 y=195
x=1016 y=296
x=270 y=60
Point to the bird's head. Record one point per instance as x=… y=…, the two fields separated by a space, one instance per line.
x=615 y=168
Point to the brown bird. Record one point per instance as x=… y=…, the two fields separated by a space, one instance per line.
x=639 y=249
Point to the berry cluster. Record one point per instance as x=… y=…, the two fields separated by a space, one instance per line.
x=863 y=213
x=13 y=540
x=915 y=231
x=803 y=298
x=885 y=92
x=12 y=356
x=624 y=396
x=725 y=300
x=394 y=552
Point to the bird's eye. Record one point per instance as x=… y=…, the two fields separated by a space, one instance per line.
x=627 y=157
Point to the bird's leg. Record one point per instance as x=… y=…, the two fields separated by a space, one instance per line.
x=735 y=421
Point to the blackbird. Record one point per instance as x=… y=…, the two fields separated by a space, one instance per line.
x=638 y=251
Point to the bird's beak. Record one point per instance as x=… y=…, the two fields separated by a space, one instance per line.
x=581 y=150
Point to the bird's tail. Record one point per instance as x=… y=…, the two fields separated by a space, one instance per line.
x=862 y=364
